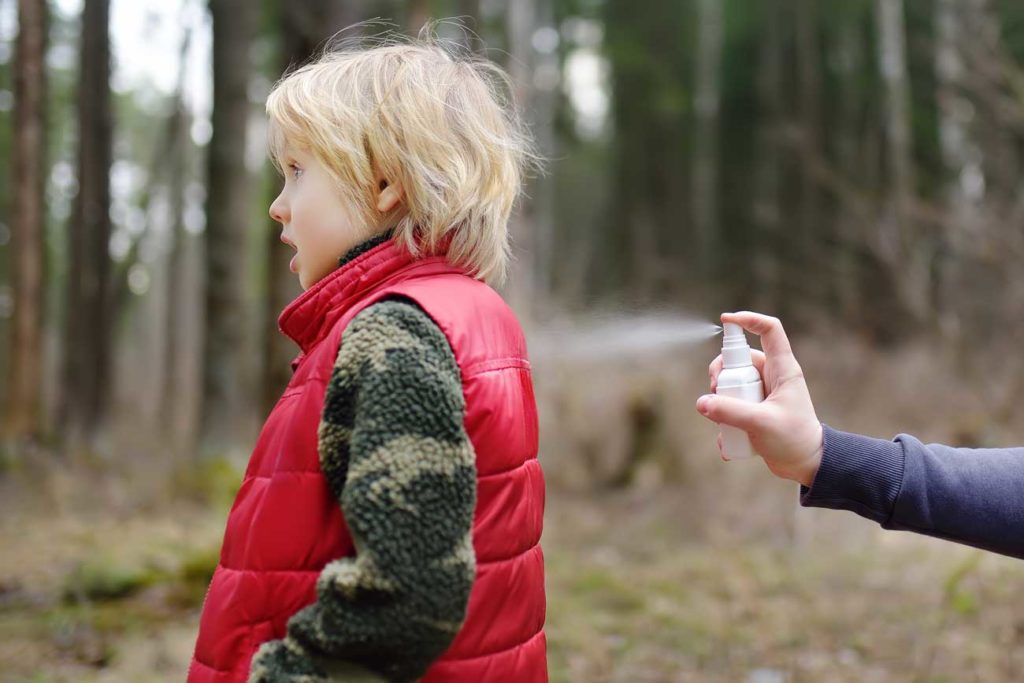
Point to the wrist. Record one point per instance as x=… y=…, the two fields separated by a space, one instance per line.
x=809 y=467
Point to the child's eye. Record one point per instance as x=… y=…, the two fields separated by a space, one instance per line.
x=295 y=170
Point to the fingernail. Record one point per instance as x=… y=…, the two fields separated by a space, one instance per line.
x=702 y=404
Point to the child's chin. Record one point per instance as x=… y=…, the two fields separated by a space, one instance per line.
x=307 y=280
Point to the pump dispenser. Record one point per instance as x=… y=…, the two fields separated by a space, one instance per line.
x=738 y=379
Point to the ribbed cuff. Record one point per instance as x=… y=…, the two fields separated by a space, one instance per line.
x=857 y=473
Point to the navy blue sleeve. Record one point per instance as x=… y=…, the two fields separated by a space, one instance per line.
x=971 y=496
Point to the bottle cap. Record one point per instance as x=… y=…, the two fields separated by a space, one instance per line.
x=735 y=350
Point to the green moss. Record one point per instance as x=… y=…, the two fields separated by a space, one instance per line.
x=103 y=578
x=607 y=590
x=7 y=462
x=198 y=567
x=193 y=576
x=958 y=598
x=213 y=480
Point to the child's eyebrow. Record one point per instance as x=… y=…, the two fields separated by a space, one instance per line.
x=290 y=156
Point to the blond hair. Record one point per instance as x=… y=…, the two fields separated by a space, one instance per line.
x=437 y=119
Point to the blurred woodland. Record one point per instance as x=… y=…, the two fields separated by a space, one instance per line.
x=853 y=165
x=855 y=168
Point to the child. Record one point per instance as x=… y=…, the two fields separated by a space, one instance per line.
x=389 y=521
x=965 y=495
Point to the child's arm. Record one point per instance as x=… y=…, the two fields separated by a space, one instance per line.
x=970 y=496
x=393 y=447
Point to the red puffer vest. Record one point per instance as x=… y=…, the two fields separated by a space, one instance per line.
x=285 y=524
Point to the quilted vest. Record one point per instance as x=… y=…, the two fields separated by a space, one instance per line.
x=285 y=524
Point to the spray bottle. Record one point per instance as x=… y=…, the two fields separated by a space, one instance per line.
x=738 y=379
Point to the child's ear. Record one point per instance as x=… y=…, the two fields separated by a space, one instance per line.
x=390 y=196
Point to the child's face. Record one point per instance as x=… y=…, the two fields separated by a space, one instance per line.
x=316 y=221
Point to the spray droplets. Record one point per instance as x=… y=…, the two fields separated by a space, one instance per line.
x=611 y=336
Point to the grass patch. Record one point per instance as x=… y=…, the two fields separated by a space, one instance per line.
x=213 y=480
x=104 y=578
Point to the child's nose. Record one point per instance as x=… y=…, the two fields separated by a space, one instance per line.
x=277 y=210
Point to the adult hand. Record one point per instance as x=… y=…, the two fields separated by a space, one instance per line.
x=783 y=429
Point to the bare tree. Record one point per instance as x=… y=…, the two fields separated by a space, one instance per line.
x=86 y=382
x=469 y=13
x=981 y=116
x=175 y=423
x=898 y=243
x=809 y=117
x=954 y=143
x=24 y=398
x=766 y=208
x=705 y=156
x=417 y=14
x=847 y=53
x=520 y=21
x=234 y=23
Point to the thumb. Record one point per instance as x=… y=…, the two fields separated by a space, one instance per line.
x=730 y=411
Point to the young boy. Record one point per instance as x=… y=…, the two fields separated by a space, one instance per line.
x=389 y=521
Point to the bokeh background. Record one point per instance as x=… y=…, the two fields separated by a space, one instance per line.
x=853 y=167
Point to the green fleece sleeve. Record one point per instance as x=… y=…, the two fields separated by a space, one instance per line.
x=394 y=450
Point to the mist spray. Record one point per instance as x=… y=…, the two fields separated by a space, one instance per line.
x=738 y=379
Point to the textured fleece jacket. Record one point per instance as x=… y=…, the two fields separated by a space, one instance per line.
x=396 y=455
x=968 y=495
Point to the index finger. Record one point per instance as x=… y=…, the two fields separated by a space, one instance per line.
x=773 y=338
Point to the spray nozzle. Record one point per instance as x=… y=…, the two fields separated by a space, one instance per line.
x=734 y=331
x=735 y=350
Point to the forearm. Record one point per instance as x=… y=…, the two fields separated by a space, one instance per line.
x=971 y=496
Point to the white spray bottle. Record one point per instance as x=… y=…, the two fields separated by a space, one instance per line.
x=738 y=379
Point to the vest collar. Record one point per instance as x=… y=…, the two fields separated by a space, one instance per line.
x=309 y=318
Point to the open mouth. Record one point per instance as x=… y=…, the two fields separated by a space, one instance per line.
x=293 y=265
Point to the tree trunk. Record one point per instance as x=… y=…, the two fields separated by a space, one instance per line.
x=898 y=244
x=767 y=214
x=469 y=13
x=809 y=108
x=705 y=157
x=893 y=63
x=227 y=212
x=417 y=14
x=954 y=143
x=87 y=348
x=996 y=88
x=176 y=426
x=24 y=396
x=986 y=232
x=520 y=21
x=848 y=55
x=540 y=119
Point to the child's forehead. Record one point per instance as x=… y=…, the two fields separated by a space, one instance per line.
x=281 y=143
x=290 y=150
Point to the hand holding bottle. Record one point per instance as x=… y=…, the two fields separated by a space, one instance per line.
x=783 y=429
